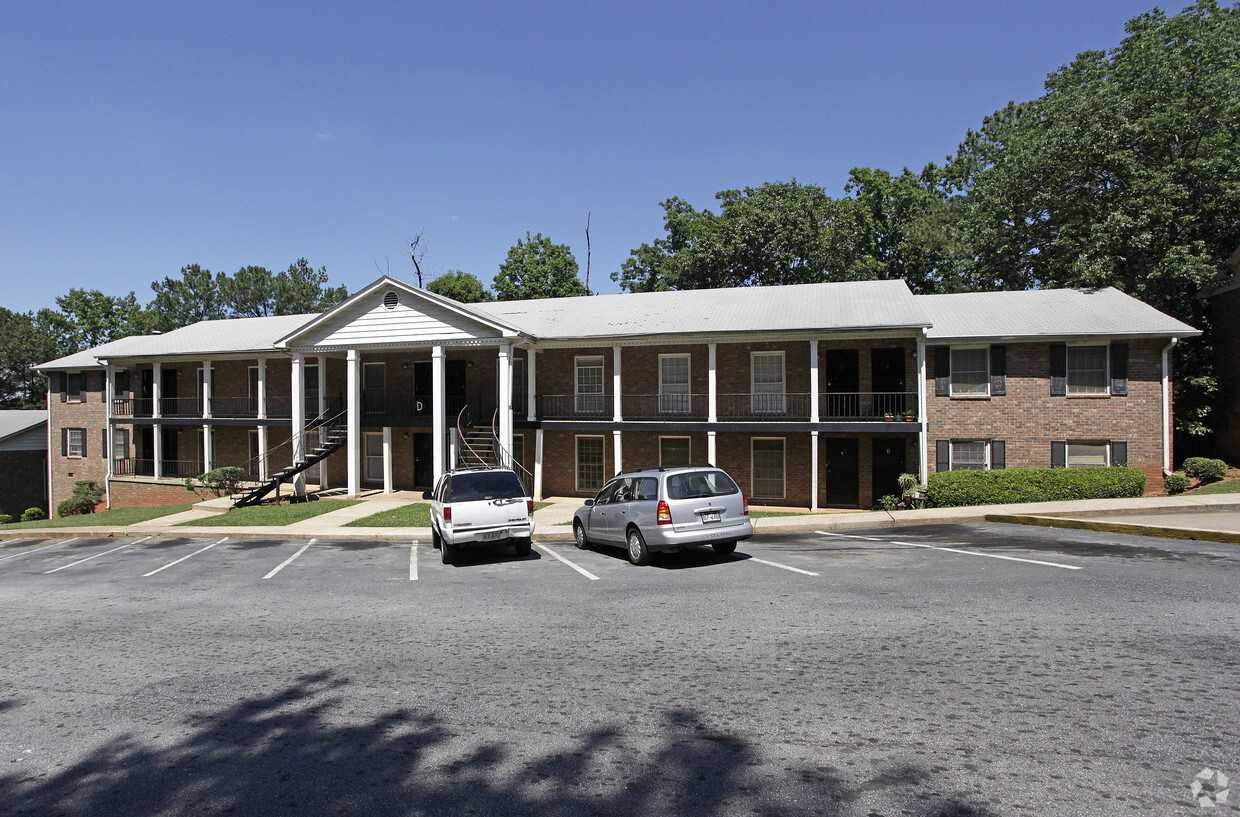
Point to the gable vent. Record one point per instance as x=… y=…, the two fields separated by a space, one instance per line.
x=389 y=300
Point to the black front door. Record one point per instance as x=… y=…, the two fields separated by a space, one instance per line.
x=169 y=438
x=841 y=458
x=146 y=391
x=888 y=465
x=841 y=382
x=145 y=451
x=423 y=460
x=454 y=390
x=887 y=378
x=423 y=388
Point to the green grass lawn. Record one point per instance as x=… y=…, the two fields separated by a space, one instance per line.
x=769 y=514
x=272 y=515
x=417 y=515
x=1227 y=486
x=114 y=517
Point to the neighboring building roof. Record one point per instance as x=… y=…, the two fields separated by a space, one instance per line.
x=203 y=338
x=1047 y=313
x=18 y=421
x=844 y=306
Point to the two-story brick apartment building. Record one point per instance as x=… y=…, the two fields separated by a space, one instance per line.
x=815 y=395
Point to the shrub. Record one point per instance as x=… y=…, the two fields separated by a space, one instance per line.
x=952 y=489
x=5 y=519
x=888 y=502
x=1205 y=469
x=1176 y=483
x=219 y=481
x=86 y=495
x=33 y=515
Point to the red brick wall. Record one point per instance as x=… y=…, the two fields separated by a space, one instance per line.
x=91 y=414
x=1028 y=418
x=147 y=493
x=25 y=481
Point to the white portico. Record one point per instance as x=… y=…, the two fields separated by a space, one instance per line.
x=396 y=342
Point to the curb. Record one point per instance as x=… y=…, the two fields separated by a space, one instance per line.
x=1129 y=528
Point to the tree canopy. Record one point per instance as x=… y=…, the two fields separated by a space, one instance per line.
x=460 y=286
x=537 y=268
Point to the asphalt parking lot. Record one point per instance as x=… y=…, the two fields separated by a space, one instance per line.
x=975 y=669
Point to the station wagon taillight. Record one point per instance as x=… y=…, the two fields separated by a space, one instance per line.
x=447 y=513
x=664 y=514
x=745 y=503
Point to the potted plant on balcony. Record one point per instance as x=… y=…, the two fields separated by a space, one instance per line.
x=889 y=417
x=910 y=417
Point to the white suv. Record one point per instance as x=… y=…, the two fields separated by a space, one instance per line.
x=480 y=506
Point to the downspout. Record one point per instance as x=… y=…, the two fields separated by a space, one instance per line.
x=50 y=507
x=1166 y=404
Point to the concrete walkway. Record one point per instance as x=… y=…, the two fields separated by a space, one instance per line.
x=1214 y=518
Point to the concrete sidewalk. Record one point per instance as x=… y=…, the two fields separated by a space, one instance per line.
x=1214 y=518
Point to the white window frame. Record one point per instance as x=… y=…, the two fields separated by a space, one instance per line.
x=985 y=392
x=676 y=402
x=81 y=392
x=951 y=459
x=1106 y=372
x=120 y=443
x=602 y=441
x=769 y=400
x=80 y=435
x=589 y=402
x=252 y=448
x=688 y=441
x=370 y=367
x=368 y=459
x=1067 y=455
x=753 y=481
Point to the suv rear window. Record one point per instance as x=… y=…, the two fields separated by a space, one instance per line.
x=696 y=484
x=485 y=485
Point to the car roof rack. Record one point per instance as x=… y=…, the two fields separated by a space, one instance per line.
x=662 y=468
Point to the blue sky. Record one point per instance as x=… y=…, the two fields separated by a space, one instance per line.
x=139 y=137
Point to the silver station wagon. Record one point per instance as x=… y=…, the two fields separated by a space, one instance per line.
x=655 y=509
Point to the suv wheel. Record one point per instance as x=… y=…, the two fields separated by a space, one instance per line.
x=724 y=548
x=639 y=554
x=436 y=540
x=522 y=546
x=579 y=536
x=447 y=551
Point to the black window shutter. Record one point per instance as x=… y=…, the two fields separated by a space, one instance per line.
x=1059 y=369
x=103 y=444
x=1059 y=455
x=1119 y=452
x=998 y=455
x=1119 y=369
x=64 y=387
x=103 y=386
x=942 y=371
x=998 y=370
x=84 y=436
x=942 y=456
x=64 y=441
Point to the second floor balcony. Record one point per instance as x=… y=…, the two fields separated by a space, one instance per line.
x=783 y=406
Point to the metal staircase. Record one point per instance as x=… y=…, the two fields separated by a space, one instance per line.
x=334 y=438
x=481 y=448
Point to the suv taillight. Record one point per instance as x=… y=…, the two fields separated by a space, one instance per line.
x=664 y=514
x=447 y=513
x=529 y=507
x=745 y=503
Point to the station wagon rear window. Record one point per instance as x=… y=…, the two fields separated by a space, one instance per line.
x=700 y=484
x=485 y=485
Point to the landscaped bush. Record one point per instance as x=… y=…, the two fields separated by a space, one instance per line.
x=33 y=515
x=952 y=489
x=1176 y=483
x=219 y=481
x=1205 y=469
x=5 y=519
x=86 y=496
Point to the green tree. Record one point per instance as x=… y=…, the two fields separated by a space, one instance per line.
x=536 y=268
x=193 y=297
x=97 y=318
x=250 y=292
x=28 y=338
x=302 y=289
x=460 y=286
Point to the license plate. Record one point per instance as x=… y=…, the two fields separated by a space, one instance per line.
x=711 y=516
x=493 y=535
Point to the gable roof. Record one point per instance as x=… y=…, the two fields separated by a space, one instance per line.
x=1047 y=313
x=843 y=306
x=19 y=421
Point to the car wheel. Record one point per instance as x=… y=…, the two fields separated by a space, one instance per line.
x=724 y=548
x=447 y=551
x=579 y=536
x=436 y=539
x=522 y=546
x=639 y=554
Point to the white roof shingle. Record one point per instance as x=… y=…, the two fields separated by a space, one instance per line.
x=16 y=421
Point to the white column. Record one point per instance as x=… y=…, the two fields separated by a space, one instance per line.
x=923 y=434
x=712 y=396
x=619 y=451
x=157 y=389
x=208 y=461
x=813 y=382
x=298 y=386
x=261 y=414
x=322 y=432
x=531 y=392
x=813 y=472
x=206 y=390
x=157 y=437
x=354 y=391
x=262 y=454
x=262 y=388
x=387 y=459
x=505 y=398
x=438 y=407
x=712 y=455
x=616 y=413
x=538 y=463
x=110 y=394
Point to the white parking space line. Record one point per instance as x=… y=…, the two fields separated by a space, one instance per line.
x=413 y=562
x=25 y=552
x=578 y=568
x=290 y=559
x=97 y=555
x=781 y=567
x=183 y=558
x=951 y=550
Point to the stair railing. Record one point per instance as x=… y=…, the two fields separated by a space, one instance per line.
x=505 y=456
x=252 y=465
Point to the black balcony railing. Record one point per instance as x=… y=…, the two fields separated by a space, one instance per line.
x=664 y=406
x=766 y=406
x=574 y=406
x=386 y=409
x=169 y=469
x=866 y=405
x=832 y=407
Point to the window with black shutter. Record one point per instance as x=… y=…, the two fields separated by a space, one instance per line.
x=1119 y=369
x=1059 y=369
x=998 y=371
